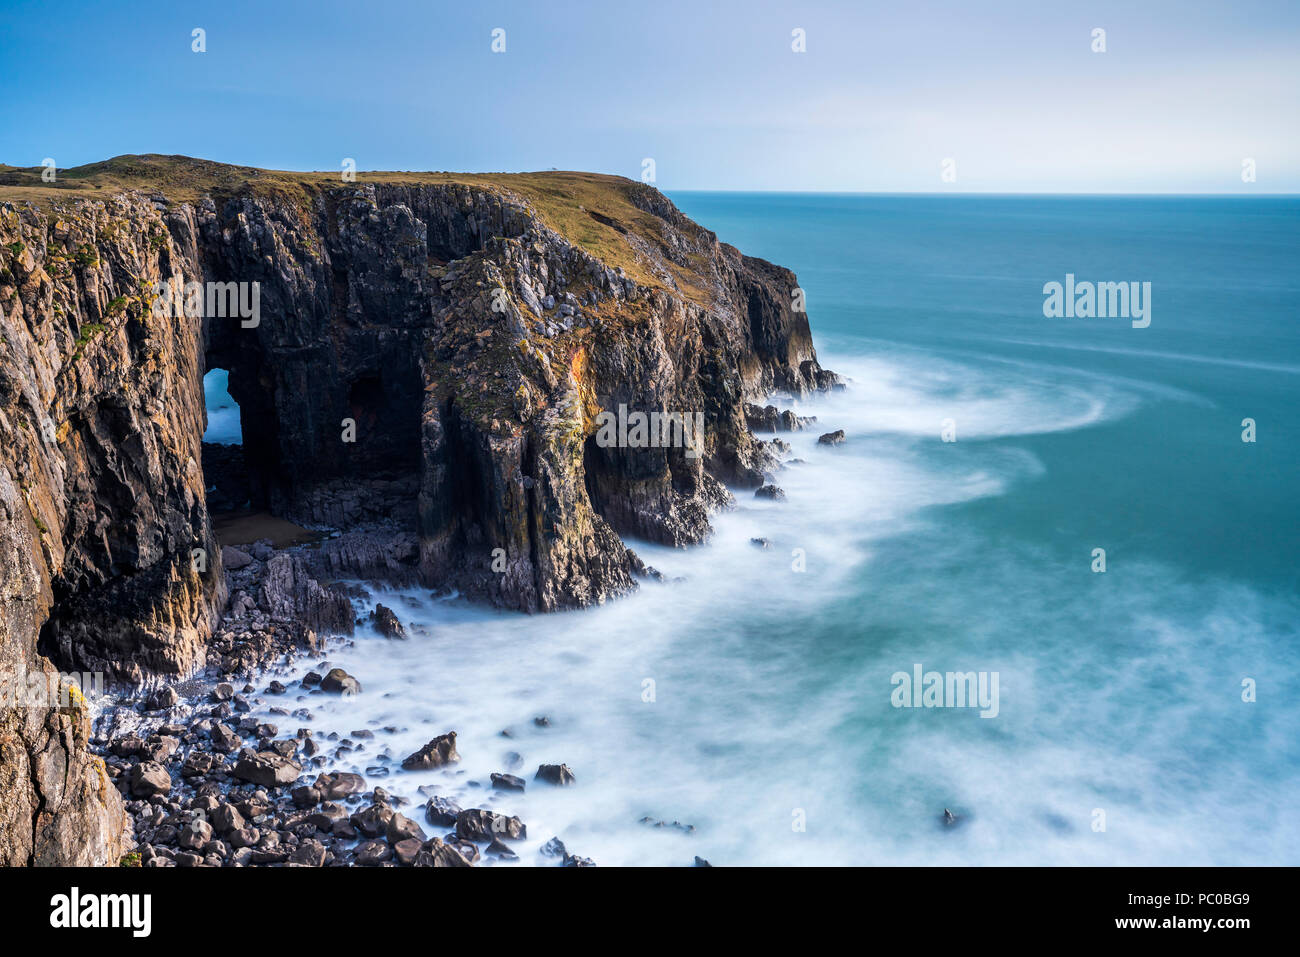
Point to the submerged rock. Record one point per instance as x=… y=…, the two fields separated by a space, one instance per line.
x=339 y=681
x=386 y=622
x=480 y=826
x=507 y=782
x=557 y=774
x=438 y=752
x=441 y=811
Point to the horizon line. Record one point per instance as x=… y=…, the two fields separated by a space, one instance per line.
x=920 y=192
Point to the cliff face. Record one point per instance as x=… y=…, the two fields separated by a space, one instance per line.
x=426 y=374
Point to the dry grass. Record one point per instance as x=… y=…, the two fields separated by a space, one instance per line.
x=591 y=210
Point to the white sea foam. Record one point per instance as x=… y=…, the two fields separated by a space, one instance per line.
x=771 y=686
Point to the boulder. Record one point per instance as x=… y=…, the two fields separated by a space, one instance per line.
x=402 y=828
x=386 y=622
x=149 y=778
x=441 y=750
x=441 y=812
x=266 y=768
x=507 y=782
x=339 y=784
x=339 y=681
x=232 y=559
x=557 y=774
x=437 y=854
x=310 y=853
x=372 y=853
x=373 y=821
x=482 y=826
x=831 y=438
x=226 y=818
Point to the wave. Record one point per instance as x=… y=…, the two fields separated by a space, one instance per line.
x=750 y=694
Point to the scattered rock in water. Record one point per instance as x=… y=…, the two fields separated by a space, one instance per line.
x=831 y=438
x=310 y=853
x=406 y=851
x=372 y=853
x=497 y=849
x=554 y=848
x=542 y=721
x=771 y=492
x=763 y=543
x=481 y=826
x=435 y=853
x=386 y=622
x=557 y=774
x=770 y=419
x=266 y=768
x=195 y=834
x=305 y=797
x=339 y=784
x=162 y=699
x=507 y=782
x=441 y=811
x=402 y=828
x=701 y=862
x=223 y=692
x=574 y=860
x=226 y=818
x=339 y=681
x=223 y=739
x=676 y=825
x=514 y=760
x=149 y=778
x=438 y=752
x=373 y=821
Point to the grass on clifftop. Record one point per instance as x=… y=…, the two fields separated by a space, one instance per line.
x=591 y=210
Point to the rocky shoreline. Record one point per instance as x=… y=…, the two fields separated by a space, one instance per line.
x=208 y=783
x=423 y=376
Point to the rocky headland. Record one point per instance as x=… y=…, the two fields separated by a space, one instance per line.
x=419 y=388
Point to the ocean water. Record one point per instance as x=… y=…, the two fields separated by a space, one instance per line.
x=223 y=412
x=752 y=699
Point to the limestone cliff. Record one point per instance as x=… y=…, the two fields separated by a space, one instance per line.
x=425 y=374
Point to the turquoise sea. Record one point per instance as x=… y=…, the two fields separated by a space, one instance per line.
x=1146 y=714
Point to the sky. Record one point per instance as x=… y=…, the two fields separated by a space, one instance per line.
x=713 y=91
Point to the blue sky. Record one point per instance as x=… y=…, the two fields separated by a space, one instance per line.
x=710 y=89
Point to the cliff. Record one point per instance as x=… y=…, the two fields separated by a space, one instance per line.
x=429 y=361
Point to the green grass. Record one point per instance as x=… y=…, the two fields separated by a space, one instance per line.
x=90 y=330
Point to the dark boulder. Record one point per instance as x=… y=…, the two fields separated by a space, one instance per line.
x=557 y=774
x=339 y=681
x=266 y=768
x=438 y=752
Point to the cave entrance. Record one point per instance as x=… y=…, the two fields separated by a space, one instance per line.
x=234 y=472
x=225 y=472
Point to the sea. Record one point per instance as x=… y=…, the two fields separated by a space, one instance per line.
x=1087 y=524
